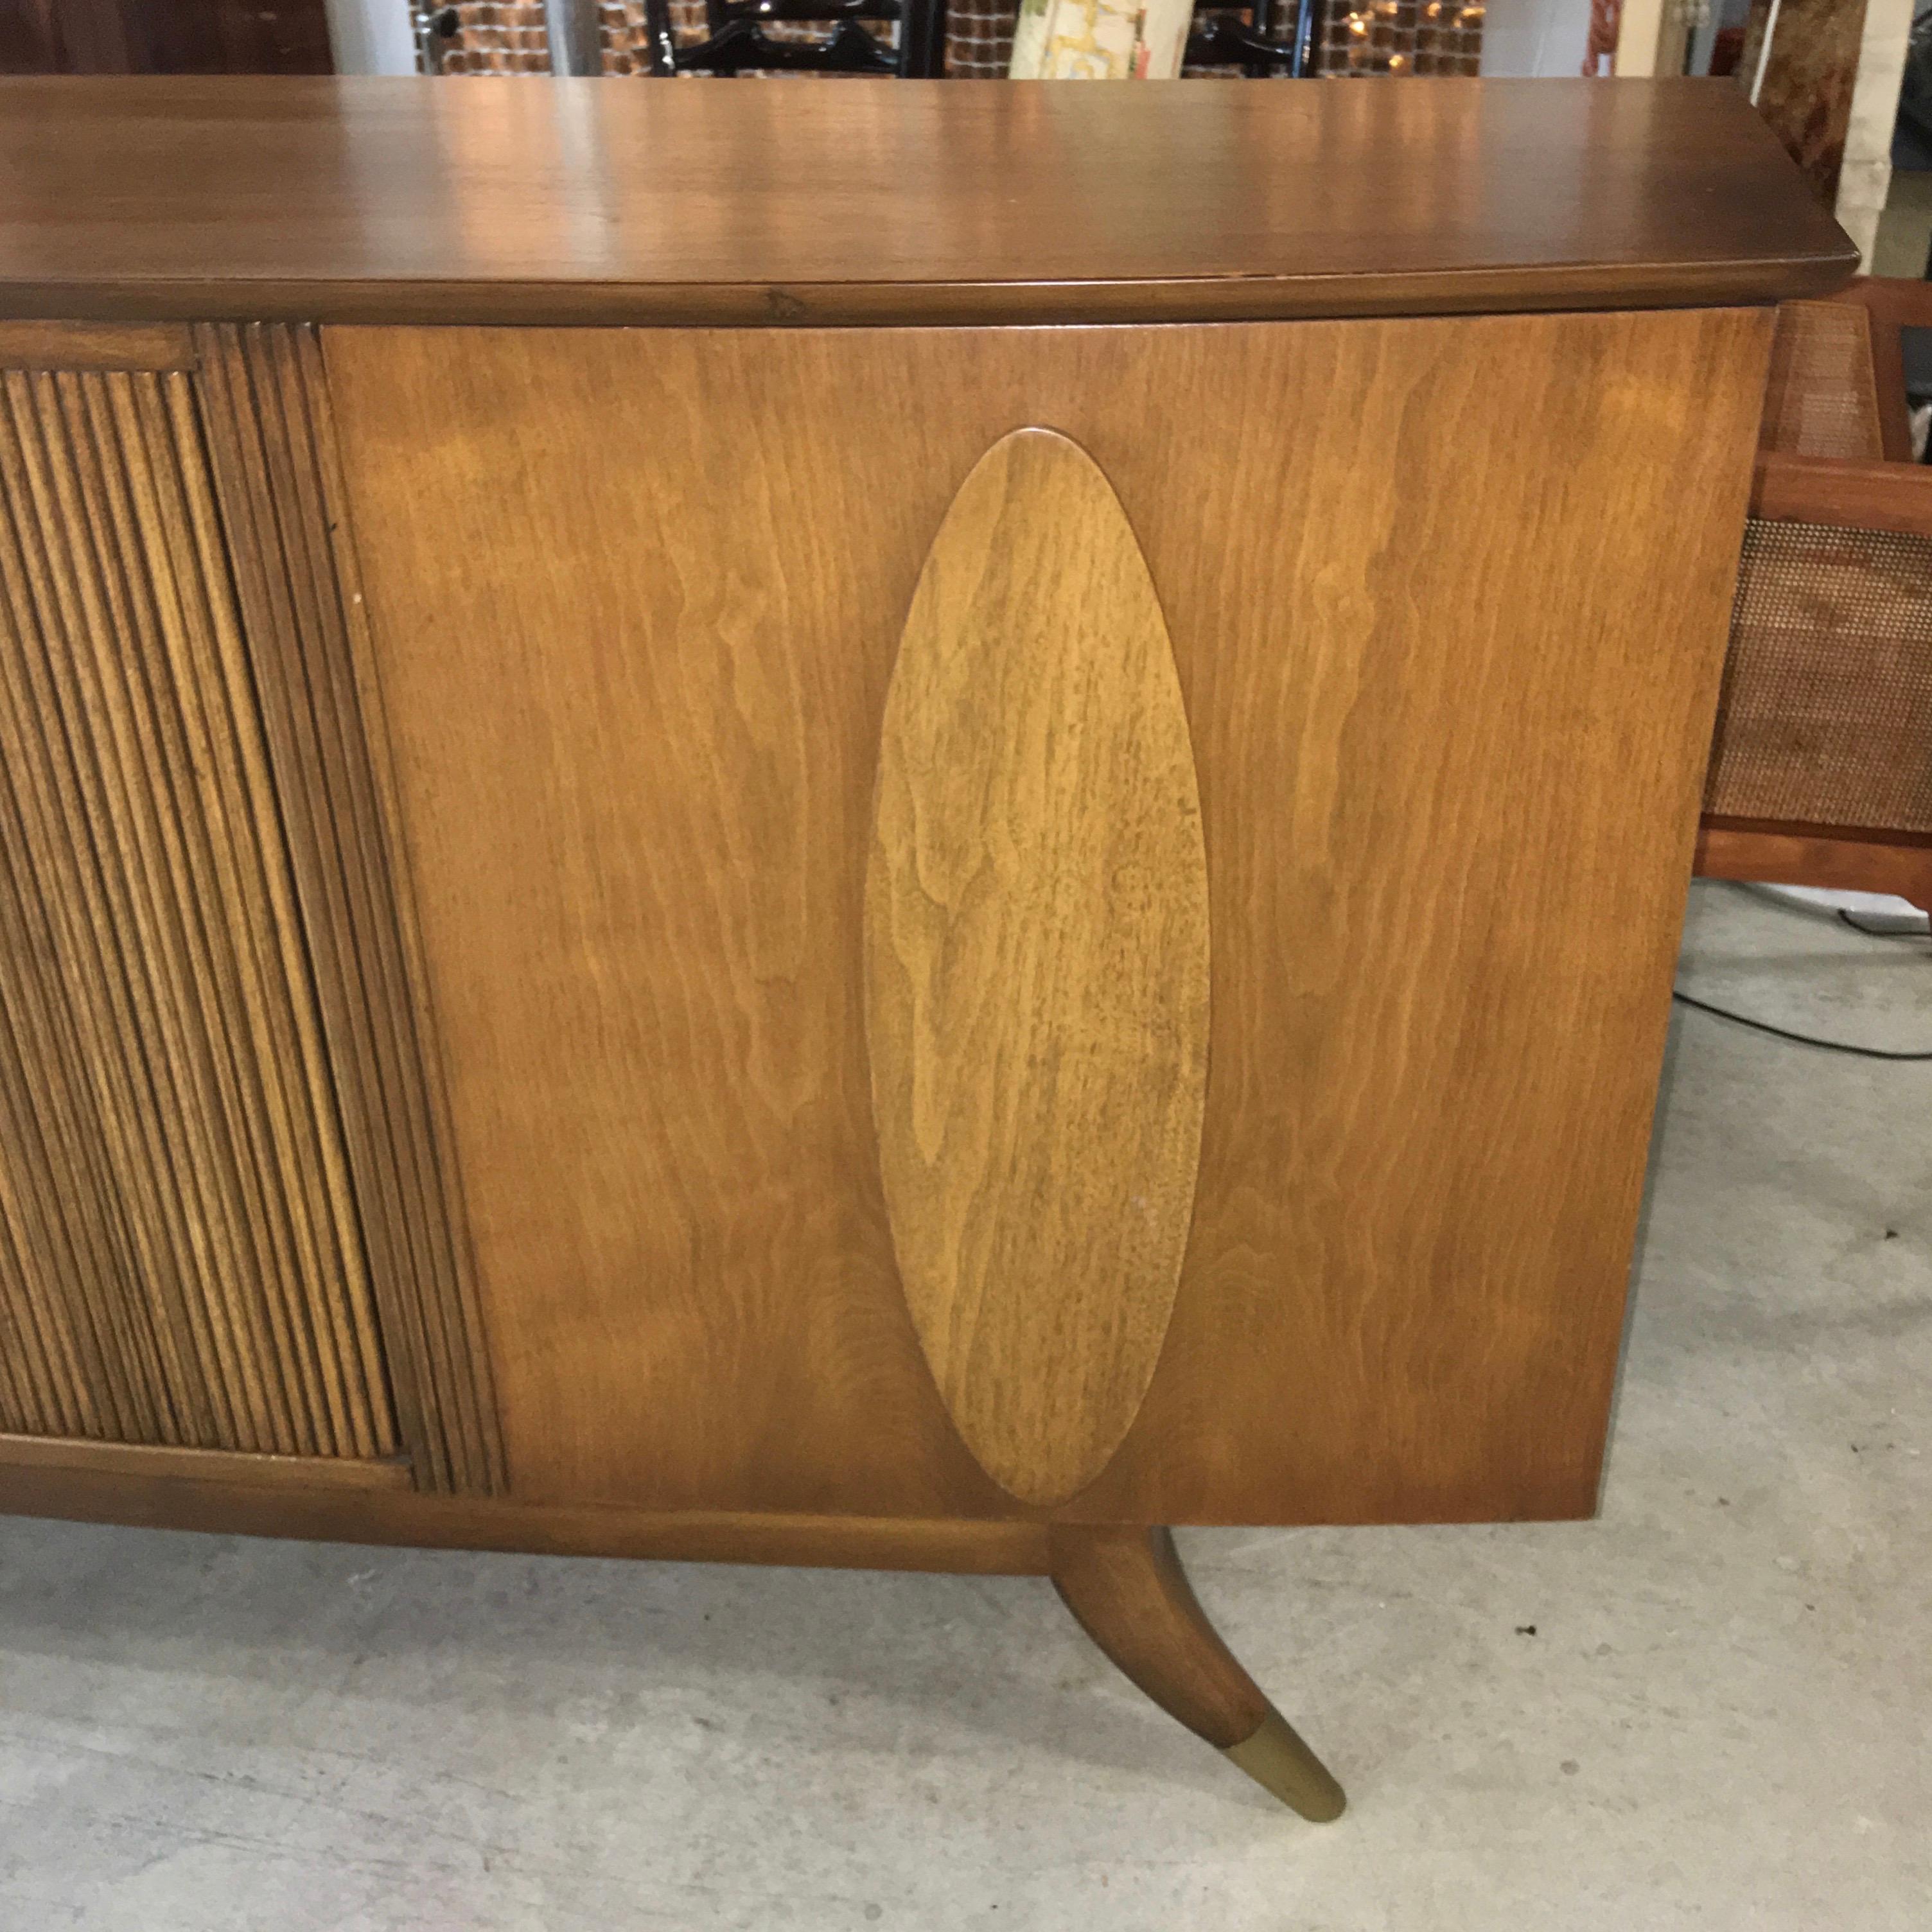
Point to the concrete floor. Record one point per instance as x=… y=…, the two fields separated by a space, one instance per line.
x=1905 y=228
x=1710 y=1708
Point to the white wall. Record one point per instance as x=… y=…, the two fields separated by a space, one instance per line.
x=1535 y=37
x=371 y=36
x=1866 y=179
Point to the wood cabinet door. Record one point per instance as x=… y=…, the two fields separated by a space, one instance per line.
x=222 y=1230
x=1068 y=920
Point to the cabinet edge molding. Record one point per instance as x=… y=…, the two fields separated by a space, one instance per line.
x=278 y=475
x=73 y=345
x=144 y=1460
x=337 y=1513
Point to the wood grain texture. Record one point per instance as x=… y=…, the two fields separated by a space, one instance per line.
x=1125 y=1586
x=180 y=1261
x=639 y=596
x=1849 y=495
x=1803 y=87
x=271 y=445
x=147 y=1462
x=1127 y=1589
x=1037 y=967
x=1892 y=305
x=398 y=199
x=1843 y=857
x=326 y=1510
x=130 y=37
x=95 y=345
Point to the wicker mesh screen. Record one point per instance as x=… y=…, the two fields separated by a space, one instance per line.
x=1822 y=397
x=1827 y=712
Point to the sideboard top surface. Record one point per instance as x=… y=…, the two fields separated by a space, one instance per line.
x=512 y=200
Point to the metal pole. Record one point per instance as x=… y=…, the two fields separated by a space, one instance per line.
x=1764 y=50
x=571 y=27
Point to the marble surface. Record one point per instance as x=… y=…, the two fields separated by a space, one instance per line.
x=1807 y=87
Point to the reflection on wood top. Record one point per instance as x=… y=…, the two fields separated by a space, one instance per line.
x=520 y=199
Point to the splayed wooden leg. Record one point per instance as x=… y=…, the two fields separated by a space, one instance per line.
x=1126 y=1586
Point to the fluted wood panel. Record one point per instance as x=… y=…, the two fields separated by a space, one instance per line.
x=271 y=443
x=181 y=1261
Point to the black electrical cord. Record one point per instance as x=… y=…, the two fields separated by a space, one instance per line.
x=1806 y=1038
x=1801 y=1039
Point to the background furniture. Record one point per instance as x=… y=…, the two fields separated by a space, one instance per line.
x=968 y=39
x=1821 y=772
x=737 y=41
x=989 y=1013
x=164 y=36
x=1240 y=37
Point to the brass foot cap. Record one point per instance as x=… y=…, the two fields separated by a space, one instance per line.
x=1278 y=1761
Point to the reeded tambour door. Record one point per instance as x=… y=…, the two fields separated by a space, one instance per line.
x=1051 y=919
x=222 y=1225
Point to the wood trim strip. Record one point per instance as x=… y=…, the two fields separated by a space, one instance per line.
x=322 y=1509
x=272 y=447
x=1560 y=287
x=1847 y=860
x=1890 y=305
x=1853 y=496
x=1861 y=835
x=1895 y=408
x=149 y=1462
x=61 y=344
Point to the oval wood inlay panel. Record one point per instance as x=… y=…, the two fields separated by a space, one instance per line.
x=1036 y=939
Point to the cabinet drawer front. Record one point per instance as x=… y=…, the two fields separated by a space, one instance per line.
x=1445 y=600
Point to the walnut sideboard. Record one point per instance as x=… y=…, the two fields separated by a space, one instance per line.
x=919 y=824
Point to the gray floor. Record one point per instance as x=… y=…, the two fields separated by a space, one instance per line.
x=1708 y=1709
x=1905 y=228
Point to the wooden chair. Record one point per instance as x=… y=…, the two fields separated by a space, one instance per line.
x=1221 y=37
x=737 y=41
x=1821 y=770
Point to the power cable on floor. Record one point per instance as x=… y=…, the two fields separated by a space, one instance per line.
x=1807 y=1039
x=1801 y=1038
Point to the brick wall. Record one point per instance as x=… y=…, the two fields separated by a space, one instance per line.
x=1355 y=36
x=1398 y=36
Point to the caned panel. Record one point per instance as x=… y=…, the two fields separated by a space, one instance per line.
x=1821 y=398
x=1827 y=711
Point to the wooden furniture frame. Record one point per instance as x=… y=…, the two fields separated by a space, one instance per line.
x=1883 y=491
x=728 y=830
